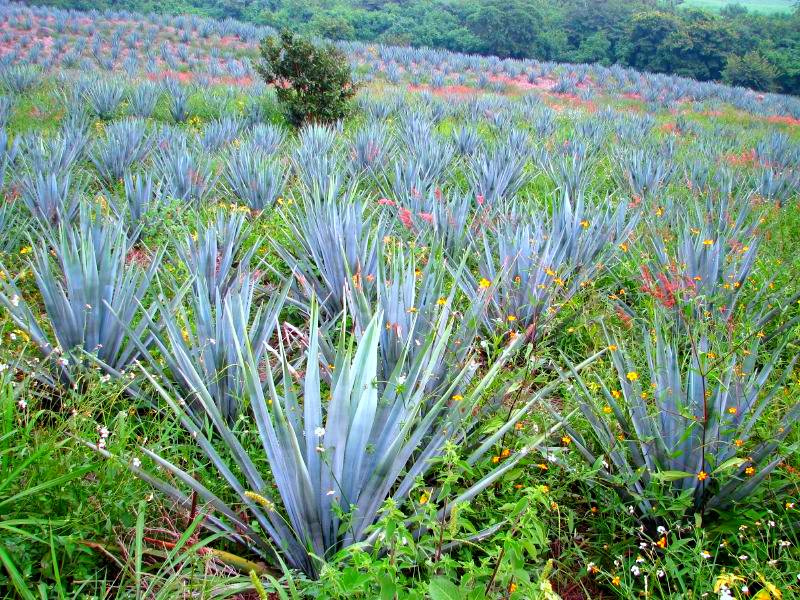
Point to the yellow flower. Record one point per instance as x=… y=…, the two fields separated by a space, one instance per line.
x=613 y=347
x=616 y=394
x=441 y=301
x=727 y=580
x=484 y=283
x=615 y=580
x=607 y=409
x=733 y=410
x=495 y=459
x=423 y=499
x=512 y=587
x=505 y=453
x=750 y=471
x=458 y=397
x=511 y=318
x=702 y=476
x=585 y=224
x=25 y=249
x=566 y=440
x=632 y=376
x=708 y=242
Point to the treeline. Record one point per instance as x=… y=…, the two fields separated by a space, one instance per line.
x=735 y=46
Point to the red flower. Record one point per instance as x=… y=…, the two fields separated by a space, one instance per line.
x=405 y=218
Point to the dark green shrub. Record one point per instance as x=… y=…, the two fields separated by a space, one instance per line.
x=313 y=82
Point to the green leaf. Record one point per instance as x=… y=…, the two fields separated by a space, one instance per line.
x=731 y=463
x=671 y=475
x=443 y=589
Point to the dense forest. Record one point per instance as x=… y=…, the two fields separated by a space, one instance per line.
x=735 y=46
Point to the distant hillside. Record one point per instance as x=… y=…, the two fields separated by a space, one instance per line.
x=757 y=6
x=736 y=43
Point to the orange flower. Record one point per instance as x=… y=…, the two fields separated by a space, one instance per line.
x=702 y=476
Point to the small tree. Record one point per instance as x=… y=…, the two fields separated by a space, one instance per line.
x=312 y=82
x=751 y=70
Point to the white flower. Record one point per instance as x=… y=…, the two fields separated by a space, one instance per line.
x=401 y=380
x=661 y=529
x=705 y=554
x=636 y=571
x=320 y=449
x=22 y=404
x=136 y=463
x=62 y=362
x=103 y=431
x=101 y=443
x=725 y=594
x=784 y=543
x=745 y=589
x=319 y=431
x=743 y=557
x=660 y=573
x=330 y=493
x=15 y=300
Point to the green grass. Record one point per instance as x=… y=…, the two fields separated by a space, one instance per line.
x=759 y=6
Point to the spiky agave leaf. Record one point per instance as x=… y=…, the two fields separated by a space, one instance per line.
x=338 y=244
x=88 y=283
x=314 y=442
x=412 y=298
x=126 y=143
x=697 y=434
x=215 y=252
x=137 y=208
x=52 y=198
x=533 y=263
x=254 y=179
x=196 y=341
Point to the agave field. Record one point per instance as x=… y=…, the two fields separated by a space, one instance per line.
x=511 y=330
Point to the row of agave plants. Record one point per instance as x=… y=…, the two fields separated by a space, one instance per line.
x=121 y=41
x=391 y=317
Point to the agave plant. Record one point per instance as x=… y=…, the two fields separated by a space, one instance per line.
x=268 y=137
x=219 y=133
x=533 y=264
x=711 y=262
x=467 y=141
x=56 y=154
x=104 y=97
x=412 y=299
x=13 y=225
x=370 y=149
x=644 y=172
x=186 y=174
x=336 y=247
x=314 y=441
x=197 y=343
x=137 y=207
x=88 y=291
x=126 y=143
x=215 y=252
x=686 y=424
x=53 y=198
x=499 y=175
x=254 y=179
x=569 y=166
x=178 y=96
x=20 y=78
x=143 y=99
